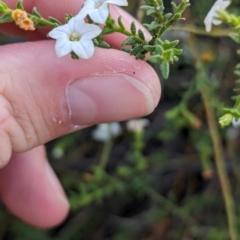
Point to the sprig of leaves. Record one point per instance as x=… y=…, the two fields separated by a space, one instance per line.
x=161 y=52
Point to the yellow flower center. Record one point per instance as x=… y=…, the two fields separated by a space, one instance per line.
x=74 y=37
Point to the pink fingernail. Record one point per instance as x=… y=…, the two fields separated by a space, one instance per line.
x=108 y=98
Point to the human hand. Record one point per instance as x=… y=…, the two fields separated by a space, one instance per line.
x=43 y=97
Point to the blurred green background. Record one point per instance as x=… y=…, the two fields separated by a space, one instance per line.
x=162 y=185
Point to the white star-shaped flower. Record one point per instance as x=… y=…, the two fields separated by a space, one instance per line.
x=98 y=10
x=137 y=125
x=75 y=36
x=106 y=131
x=212 y=14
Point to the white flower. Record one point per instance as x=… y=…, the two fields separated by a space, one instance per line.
x=98 y=10
x=212 y=14
x=106 y=131
x=75 y=36
x=137 y=125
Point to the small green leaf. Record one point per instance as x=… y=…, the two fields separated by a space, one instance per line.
x=167 y=16
x=103 y=44
x=167 y=55
x=155 y=59
x=176 y=16
x=67 y=17
x=127 y=50
x=174 y=43
x=133 y=28
x=235 y=37
x=3 y=7
x=129 y=41
x=175 y=58
x=159 y=41
x=174 y=7
x=20 y=5
x=146 y=7
x=6 y=18
x=149 y=48
x=74 y=55
x=141 y=35
x=36 y=13
x=120 y=23
x=107 y=30
x=159 y=50
x=165 y=69
x=177 y=51
x=39 y=25
x=136 y=50
x=54 y=20
x=150 y=12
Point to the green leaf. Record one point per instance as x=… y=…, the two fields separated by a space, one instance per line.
x=129 y=41
x=167 y=16
x=177 y=51
x=133 y=28
x=104 y=45
x=174 y=43
x=107 y=30
x=174 y=6
x=6 y=18
x=140 y=56
x=176 y=16
x=153 y=25
x=3 y=7
x=159 y=49
x=165 y=69
x=136 y=50
x=39 y=25
x=74 y=55
x=149 y=48
x=150 y=12
x=155 y=59
x=54 y=20
x=20 y=5
x=141 y=35
x=175 y=58
x=127 y=50
x=146 y=7
x=235 y=37
x=120 y=23
x=36 y=13
x=167 y=55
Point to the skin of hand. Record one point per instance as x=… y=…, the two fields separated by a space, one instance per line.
x=43 y=97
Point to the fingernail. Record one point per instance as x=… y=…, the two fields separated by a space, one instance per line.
x=57 y=188
x=108 y=98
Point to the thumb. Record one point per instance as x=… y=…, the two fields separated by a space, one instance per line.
x=42 y=97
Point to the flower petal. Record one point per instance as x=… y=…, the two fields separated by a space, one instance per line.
x=63 y=47
x=88 y=31
x=118 y=2
x=84 y=49
x=100 y=15
x=60 y=31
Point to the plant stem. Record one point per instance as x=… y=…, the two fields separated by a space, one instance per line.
x=198 y=31
x=221 y=169
x=217 y=146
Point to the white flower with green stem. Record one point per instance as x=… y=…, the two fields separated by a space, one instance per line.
x=75 y=36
